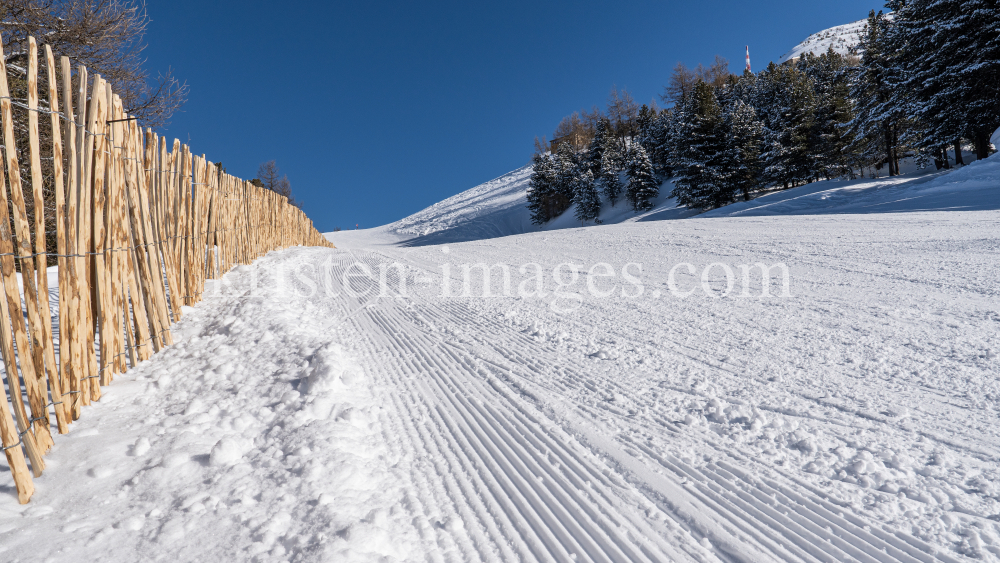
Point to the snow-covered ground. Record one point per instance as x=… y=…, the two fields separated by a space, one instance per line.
x=341 y=405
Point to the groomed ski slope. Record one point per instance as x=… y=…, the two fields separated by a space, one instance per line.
x=852 y=420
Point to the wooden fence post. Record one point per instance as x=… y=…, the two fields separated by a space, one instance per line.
x=28 y=436
x=89 y=301
x=58 y=384
x=101 y=244
x=71 y=349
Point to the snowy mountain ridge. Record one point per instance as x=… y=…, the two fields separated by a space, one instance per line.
x=843 y=38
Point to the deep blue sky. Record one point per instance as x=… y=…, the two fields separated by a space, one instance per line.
x=378 y=109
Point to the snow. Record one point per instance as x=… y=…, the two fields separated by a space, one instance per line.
x=861 y=405
x=843 y=38
x=257 y=434
x=636 y=410
x=493 y=209
x=854 y=417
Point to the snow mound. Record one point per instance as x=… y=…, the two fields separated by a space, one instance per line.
x=843 y=38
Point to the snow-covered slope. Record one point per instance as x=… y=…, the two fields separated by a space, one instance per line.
x=842 y=38
x=498 y=208
x=655 y=406
x=309 y=413
x=494 y=209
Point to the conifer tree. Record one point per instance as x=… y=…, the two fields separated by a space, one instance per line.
x=980 y=72
x=830 y=138
x=642 y=187
x=946 y=55
x=567 y=165
x=659 y=144
x=588 y=201
x=920 y=64
x=595 y=152
x=700 y=151
x=879 y=115
x=611 y=184
x=791 y=155
x=643 y=125
x=742 y=167
x=763 y=92
x=541 y=191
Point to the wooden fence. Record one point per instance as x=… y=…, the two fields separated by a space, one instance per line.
x=140 y=226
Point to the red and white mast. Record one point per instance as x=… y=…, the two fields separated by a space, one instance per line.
x=748 y=59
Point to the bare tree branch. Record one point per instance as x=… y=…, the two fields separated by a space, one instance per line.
x=104 y=35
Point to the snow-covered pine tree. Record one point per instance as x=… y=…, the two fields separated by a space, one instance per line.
x=946 y=56
x=921 y=64
x=880 y=115
x=980 y=72
x=541 y=188
x=567 y=167
x=699 y=151
x=642 y=187
x=791 y=159
x=659 y=144
x=743 y=167
x=611 y=184
x=595 y=152
x=643 y=126
x=587 y=199
x=830 y=138
x=763 y=92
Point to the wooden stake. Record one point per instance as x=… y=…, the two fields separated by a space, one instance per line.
x=144 y=253
x=88 y=211
x=36 y=276
x=74 y=319
x=58 y=384
x=28 y=437
x=101 y=243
